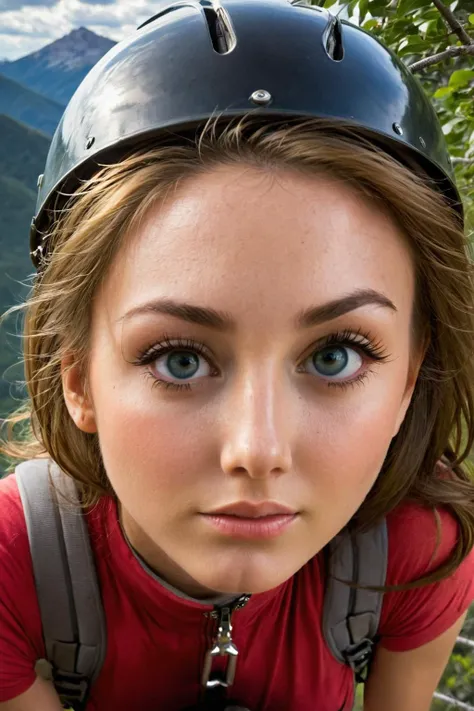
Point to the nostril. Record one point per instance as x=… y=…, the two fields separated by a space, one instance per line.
x=332 y=39
x=220 y=29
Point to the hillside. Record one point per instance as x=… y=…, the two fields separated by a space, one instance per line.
x=57 y=69
x=22 y=157
x=15 y=214
x=23 y=152
x=28 y=106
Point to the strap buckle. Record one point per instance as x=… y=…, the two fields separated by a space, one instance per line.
x=72 y=688
x=358 y=656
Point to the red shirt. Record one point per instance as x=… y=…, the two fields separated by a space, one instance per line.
x=157 y=640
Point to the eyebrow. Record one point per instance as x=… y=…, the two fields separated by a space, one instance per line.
x=222 y=321
x=338 y=307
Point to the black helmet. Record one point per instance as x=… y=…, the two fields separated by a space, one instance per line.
x=280 y=58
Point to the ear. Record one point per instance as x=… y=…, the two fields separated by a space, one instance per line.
x=76 y=397
x=416 y=361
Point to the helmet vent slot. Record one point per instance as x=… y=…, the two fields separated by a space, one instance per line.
x=332 y=39
x=220 y=30
x=305 y=3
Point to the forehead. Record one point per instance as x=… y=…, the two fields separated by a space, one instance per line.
x=238 y=237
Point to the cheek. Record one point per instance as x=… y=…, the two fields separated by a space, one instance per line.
x=343 y=459
x=142 y=435
x=352 y=434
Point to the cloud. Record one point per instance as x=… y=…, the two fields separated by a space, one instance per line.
x=6 y=5
x=13 y=46
x=42 y=22
x=17 y=32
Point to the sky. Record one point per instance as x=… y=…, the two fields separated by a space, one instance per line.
x=28 y=25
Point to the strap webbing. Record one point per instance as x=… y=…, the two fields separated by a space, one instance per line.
x=351 y=617
x=66 y=583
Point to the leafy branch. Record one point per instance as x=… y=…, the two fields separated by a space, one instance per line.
x=455 y=51
x=452 y=21
x=465 y=161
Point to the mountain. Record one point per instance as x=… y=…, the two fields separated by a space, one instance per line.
x=23 y=153
x=57 y=69
x=28 y=106
x=22 y=157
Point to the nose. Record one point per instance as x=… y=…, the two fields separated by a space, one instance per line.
x=257 y=439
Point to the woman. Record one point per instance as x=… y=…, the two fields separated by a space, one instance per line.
x=246 y=335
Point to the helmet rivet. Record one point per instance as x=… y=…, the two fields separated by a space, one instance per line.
x=397 y=128
x=39 y=182
x=262 y=97
x=422 y=142
x=90 y=142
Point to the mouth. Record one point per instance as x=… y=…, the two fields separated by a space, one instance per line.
x=245 y=519
x=249 y=509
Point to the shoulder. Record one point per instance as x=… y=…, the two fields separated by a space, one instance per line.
x=417 y=546
x=420 y=539
x=13 y=533
x=20 y=625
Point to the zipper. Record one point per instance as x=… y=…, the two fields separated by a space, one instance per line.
x=222 y=646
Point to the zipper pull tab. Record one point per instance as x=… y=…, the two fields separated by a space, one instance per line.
x=223 y=647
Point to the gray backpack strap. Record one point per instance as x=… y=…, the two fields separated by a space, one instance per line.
x=351 y=617
x=66 y=584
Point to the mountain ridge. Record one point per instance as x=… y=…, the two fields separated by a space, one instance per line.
x=56 y=70
x=28 y=106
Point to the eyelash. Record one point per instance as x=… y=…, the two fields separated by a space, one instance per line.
x=168 y=345
x=368 y=346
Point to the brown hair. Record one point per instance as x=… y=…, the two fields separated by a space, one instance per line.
x=87 y=233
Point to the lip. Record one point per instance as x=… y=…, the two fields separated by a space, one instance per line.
x=246 y=519
x=259 y=527
x=251 y=510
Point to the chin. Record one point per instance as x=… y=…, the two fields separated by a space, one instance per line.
x=243 y=582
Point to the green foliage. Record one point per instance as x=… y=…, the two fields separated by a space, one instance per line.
x=458 y=677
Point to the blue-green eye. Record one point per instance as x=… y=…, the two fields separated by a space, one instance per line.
x=182 y=365
x=335 y=362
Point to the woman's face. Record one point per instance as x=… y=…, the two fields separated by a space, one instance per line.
x=251 y=343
